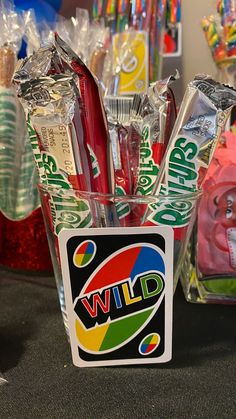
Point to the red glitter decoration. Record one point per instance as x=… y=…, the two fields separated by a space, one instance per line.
x=23 y=244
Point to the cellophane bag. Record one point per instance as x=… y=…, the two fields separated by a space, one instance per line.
x=209 y=271
x=23 y=243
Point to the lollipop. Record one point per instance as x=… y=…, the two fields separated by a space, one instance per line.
x=215 y=42
x=230 y=37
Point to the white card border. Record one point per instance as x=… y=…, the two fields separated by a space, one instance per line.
x=168 y=234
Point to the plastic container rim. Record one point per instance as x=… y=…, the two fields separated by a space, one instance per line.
x=101 y=196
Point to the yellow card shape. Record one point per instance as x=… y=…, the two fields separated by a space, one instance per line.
x=130 y=51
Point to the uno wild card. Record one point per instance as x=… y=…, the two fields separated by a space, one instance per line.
x=119 y=290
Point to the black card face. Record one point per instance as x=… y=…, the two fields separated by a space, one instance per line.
x=119 y=289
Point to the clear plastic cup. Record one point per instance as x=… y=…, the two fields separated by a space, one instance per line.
x=68 y=209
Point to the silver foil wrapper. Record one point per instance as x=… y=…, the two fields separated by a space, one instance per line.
x=157 y=116
x=202 y=117
x=54 y=114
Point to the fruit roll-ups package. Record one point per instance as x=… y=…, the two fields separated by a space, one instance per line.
x=54 y=115
x=55 y=137
x=94 y=128
x=203 y=113
x=92 y=113
x=58 y=59
x=158 y=114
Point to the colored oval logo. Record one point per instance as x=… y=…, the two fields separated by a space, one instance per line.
x=149 y=344
x=120 y=298
x=84 y=254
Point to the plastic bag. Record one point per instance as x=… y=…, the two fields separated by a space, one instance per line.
x=18 y=178
x=209 y=273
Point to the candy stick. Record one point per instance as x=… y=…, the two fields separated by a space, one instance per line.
x=173 y=12
x=147 y=19
x=8 y=133
x=98 y=6
x=144 y=13
x=140 y=10
x=138 y=13
x=97 y=61
x=156 y=39
x=7 y=66
x=17 y=177
x=123 y=15
x=111 y=15
x=133 y=14
x=152 y=44
x=228 y=6
x=27 y=197
x=220 y=10
x=99 y=40
x=179 y=11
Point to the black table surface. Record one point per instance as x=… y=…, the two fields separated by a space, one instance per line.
x=35 y=359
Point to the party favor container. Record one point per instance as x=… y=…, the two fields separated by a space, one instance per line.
x=115 y=284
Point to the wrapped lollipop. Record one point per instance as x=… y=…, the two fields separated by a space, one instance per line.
x=99 y=42
x=19 y=201
x=31 y=32
x=215 y=42
x=17 y=173
x=76 y=32
x=9 y=43
x=220 y=32
x=230 y=32
x=8 y=131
